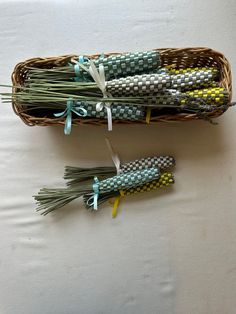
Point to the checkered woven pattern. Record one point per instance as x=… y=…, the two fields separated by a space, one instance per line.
x=203 y=99
x=119 y=112
x=168 y=97
x=120 y=65
x=194 y=106
x=128 y=180
x=192 y=79
x=146 y=84
x=188 y=70
x=211 y=96
x=154 y=83
x=162 y=162
x=165 y=180
x=158 y=71
x=129 y=63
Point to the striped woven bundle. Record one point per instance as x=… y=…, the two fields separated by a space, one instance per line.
x=121 y=65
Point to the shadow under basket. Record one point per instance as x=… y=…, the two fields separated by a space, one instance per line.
x=177 y=57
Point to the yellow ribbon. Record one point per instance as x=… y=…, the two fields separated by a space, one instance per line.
x=116 y=204
x=148 y=115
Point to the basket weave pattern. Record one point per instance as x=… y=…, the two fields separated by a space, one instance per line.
x=178 y=57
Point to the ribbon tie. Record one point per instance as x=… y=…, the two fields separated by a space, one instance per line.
x=79 y=77
x=99 y=77
x=114 y=156
x=93 y=200
x=116 y=204
x=96 y=193
x=116 y=160
x=70 y=107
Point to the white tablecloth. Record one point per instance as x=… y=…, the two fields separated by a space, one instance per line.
x=167 y=252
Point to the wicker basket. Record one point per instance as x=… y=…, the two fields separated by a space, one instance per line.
x=180 y=57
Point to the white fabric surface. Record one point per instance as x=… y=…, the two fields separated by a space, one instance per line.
x=167 y=252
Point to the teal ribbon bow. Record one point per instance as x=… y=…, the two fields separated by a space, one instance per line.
x=93 y=200
x=96 y=193
x=78 y=77
x=70 y=108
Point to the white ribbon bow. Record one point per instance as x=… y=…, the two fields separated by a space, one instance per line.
x=99 y=77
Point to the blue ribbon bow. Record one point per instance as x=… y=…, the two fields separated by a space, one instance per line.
x=70 y=107
x=96 y=193
x=78 y=77
x=93 y=200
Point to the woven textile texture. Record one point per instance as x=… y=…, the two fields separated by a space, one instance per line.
x=146 y=84
x=128 y=180
x=118 y=111
x=126 y=64
x=165 y=180
x=162 y=162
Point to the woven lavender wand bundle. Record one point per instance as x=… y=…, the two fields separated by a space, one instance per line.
x=115 y=66
x=110 y=98
x=51 y=199
x=165 y=180
x=153 y=83
x=193 y=78
x=76 y=174
x=137 y=85
x=118 y=111
x=199 y=101
x=214 y=96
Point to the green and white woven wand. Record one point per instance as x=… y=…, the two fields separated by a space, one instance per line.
x=115 y=66
x=51 y=199
x=118 y=111
x=77 y=175
x=165 y=180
